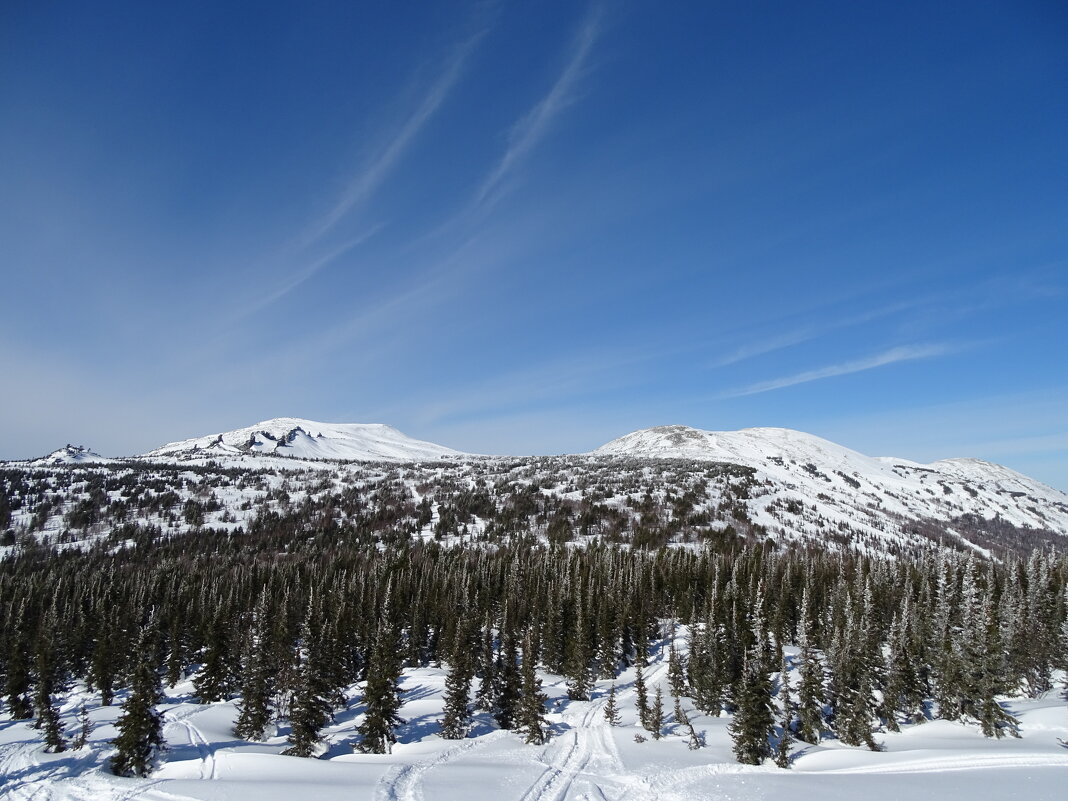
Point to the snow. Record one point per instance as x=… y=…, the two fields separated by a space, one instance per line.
x=585 y=758
x=791 y=486
x=808 y=468
x=296 y=438
x=71 y=454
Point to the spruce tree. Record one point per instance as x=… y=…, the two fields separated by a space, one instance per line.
x=214 y=680
x=654 y=719
x=810 y=695
x=456 y=720
x=46 y=676
x=486 y=695
x=308 y=714
x=786 y=716
x=985 y=671
x=377 y=732
x=611 y=709
x=676 y=668
x=257 y=679
x=609 y=634
x=140 y=740
x=53 y=730
x=85 y=728
x=178 y=654
x=309 y=709
x=641 y=693
x=577 y=666
x=531 y=718
x=753 y=720
x=508 y=685
x=103 y=661
x=903 y=693
x=855 y=679
x=947 y=663
x=18 y=680
x=707 y=668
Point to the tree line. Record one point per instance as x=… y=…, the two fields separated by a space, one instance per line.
x=299 y=624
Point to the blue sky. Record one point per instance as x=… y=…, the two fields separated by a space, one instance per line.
x=531 y=228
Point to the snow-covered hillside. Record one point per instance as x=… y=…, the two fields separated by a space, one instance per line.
x=71 y=454
x=665 y=484
x=841 y=484
x=306 y=439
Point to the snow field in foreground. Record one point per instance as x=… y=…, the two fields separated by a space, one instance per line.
x=585 y=759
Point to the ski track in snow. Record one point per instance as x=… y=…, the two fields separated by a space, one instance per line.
x=46 y=784
x=405 y=783
x=590 y=739
x=208 y=765
x=962 y=762
x=587 y=739
x=584 y=762
x=556 y=780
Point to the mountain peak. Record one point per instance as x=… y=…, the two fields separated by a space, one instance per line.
x=296 y=437
x=71 y=454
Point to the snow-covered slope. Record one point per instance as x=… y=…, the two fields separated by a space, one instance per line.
x=766 y=482
x=71 y=454
x=841 y=484
x=586 y=757
x=307 y=439
x=754 y=447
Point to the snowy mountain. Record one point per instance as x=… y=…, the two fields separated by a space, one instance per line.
x=306 y=439
x=651 y=487
x=837 y=483
x=71 y=454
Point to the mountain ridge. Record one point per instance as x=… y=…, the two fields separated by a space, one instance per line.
x=757 y=445
x=299 y=438
x=774 y=483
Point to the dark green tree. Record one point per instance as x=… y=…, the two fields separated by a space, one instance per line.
x=381 y=696
x=456 y=719
x=578 y=664
x=214 y=680
x=140 y=739
x=654 y=720
x=508 y=684
x=753 y=721
x=85 y=728
x=531 y=718
x=257 y=678
x=786 y=717
x=642 y=694
x=17 y=683
x=309 y=709
x=810 y=696
x=611 y=708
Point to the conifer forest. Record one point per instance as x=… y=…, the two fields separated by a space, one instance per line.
x=311 y=626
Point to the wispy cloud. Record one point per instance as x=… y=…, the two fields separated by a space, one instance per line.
x=770 y=345
x=567 y=378
x=810 y=332
x=363 y=185
x=892 y=356
x=308 y=271
x=532 y=126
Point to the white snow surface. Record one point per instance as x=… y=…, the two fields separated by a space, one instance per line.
x=759 y=447
x=586 y=759
x=306 y=439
